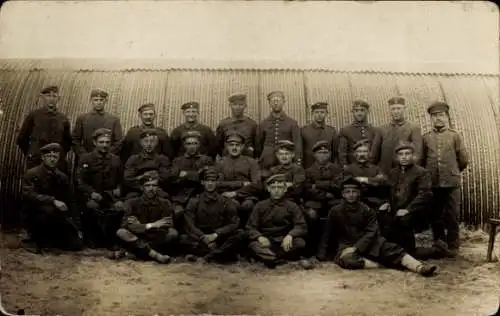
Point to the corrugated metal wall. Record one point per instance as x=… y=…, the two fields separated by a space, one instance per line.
x=474 y=100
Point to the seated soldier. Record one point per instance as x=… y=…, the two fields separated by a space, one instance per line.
x=212 y=224
x=149 y=159
x=295 y=175
x=148 y=225
x=46 y=199
x=410 y=204
x=353 y=225
x=322 y=191
x=374 y=182
x=185 y=181
x=98 y=178
x=238 y=174
x=276 y=228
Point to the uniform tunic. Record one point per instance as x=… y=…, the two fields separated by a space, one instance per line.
x=294 y=174
x=85 y=126
x=270 y=131
x=208 y=142
x=375 y=192
x=138 y=164
x=351 y=134
x=234 y=171
x=42 y=127
x=184 y=188
x=131 y=144
x=245 y=126
x=313 y=133
x=321 y=180
x=389 y=137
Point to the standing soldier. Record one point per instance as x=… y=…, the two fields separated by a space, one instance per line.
x=445 y=157
x=44 y=126
x=360 y=129
x=318 y=131
x=46 y=195
x=239 y=122
x=99 y=177
x=208 y=143
x=131 y=144
x=278 y=126
x=391 y=134
x=87 y=123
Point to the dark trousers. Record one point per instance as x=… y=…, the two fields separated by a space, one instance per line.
x=225 y=248
x=446 y=206
x=100 y=226
x=389 y=254
x=162 y=240
x=275 y=251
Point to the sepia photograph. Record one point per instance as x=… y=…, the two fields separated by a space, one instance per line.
x=249 y=158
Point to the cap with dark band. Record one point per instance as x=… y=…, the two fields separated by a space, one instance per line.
x=235 y=136
x=190 y=134
x=404 y=145
x=49 y=89
x=101 y=132
x=279 y=177
x=273 y=93
x=190 y=105
x=350 y=182
x=147 y=106
x=52 y=147
x=150 y=175
x=360 y=103
x=363 y=142
x=148 y=132
x=437 y=107
x=396 y=100
x=208 y=174
x=321 y=145
x=98 y=93
x=238 y=98
x=285 y=144
x=319 y=106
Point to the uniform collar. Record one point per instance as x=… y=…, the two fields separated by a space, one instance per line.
x=281 y=116
x=210 y=196
x=362 y=165
x=190 y=125
x=94 y=112
x=51 y=111
x=398 y=123
x=407 y=168
x=318 y=125
x=142 y=126
x=148 y=155
x=442 y=130
x=238 y=119
x=97 y=154
x=196 y=155
x=363 y=123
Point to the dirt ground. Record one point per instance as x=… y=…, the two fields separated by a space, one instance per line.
x=89 y=284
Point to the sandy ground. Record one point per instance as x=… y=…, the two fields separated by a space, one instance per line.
x=89 y=284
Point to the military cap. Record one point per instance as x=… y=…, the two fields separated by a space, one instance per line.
x=404 y=145
x=147 y=106
x=321 y=145
x=148 y=132
x=235 y=136
x=100 y=132
x=98 y=93
x=278 y=177
x=50 y=89
x=150 y=175
x=397 y=100
x=52 y=147
x=319 y=105
x=190 y=105
x=238 y=98
x=360 y=103
x=350 y=181
x=438 y=106
x=285 y=144
x=190 y=134
x=363 y=142
x=272 y=93
x=208 y=174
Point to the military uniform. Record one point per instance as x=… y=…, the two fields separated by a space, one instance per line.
x=208 y=142
x=48 y=225
x=244 y=125
x=445 y=157
x=86 y=124
x=353 y=133
x=275 y=219
x=211 y=213
x=42 y=127
x=315 y=132
x=102 y=174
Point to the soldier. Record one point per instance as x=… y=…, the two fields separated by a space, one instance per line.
x=185 y=178
x=147 y=160
x=322 y=191
x=131 y=144
x=239 y=122
x=99 y=178
x=238 y=176
x=278 y=126
x=148 y=225
x=445 y=157
x=360 y=129
x=354 y=226
x=318 y=131
x=212 y=224
x=87 y=123
x=46 y=197
x=372 y=179
x=276 y=228
x=295 y=175
x=44 y=126
x=391 y=134
x=208 y=142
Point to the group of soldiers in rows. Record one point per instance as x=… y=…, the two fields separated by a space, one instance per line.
x=270 y=191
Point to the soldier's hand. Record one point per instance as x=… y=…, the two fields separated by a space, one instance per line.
x=287 y=243
x=212 y=245
x=245 y=183
x=402 y=213
x=119 y=206
x=96 y=196
x=385 y=207
x=329 y=195
x=361 y=179
x=169 y=222
x=264 y=242
x=183 y=174
x=206 y=239
x=162 y=222
x=312 y=214
x=92 y=204
x=289 y=184
x=117 y=192
x=212 y=237
x=61 y=206
x=229 y=195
